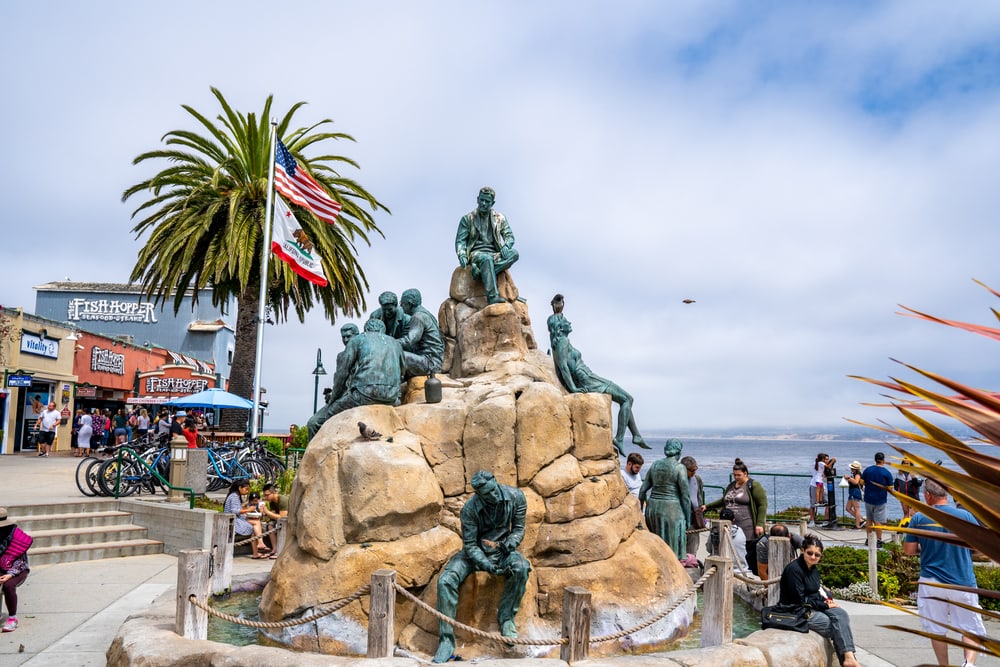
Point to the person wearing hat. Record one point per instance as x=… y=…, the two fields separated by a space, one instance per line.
x=177 y=426
x=854 y=486
x=14 y=544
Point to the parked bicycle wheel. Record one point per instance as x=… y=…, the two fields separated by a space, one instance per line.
x=107 y=477
x=83 y=481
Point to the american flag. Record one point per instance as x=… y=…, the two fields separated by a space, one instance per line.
x=301 y=188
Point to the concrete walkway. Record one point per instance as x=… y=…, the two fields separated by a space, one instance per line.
x=70 y=612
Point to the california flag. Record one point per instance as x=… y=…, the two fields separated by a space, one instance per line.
x=291 y=244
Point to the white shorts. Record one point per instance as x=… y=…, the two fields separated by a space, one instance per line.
x=969 y=622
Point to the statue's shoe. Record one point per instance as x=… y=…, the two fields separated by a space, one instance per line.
x=445 y=650
x=639 y=442
x=508 y=629
x=617 y=444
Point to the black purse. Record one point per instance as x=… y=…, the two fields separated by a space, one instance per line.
x=781 y=617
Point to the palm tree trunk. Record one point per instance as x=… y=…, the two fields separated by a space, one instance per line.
x=244 y=356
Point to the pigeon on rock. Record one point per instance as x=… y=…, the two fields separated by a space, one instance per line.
x=368 y=432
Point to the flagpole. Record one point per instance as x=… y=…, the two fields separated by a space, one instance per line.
x=262 y=305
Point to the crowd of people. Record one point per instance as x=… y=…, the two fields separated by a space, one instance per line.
x=99 y=428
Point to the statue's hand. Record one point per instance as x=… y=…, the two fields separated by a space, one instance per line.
x=463 y=260
x=506 y=252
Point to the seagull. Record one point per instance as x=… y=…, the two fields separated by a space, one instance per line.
x=688 y=301
x=368 y=432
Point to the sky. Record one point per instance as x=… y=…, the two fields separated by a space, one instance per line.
x=798 y=169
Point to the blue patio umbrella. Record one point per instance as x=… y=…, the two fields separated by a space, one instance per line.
x=211 y=398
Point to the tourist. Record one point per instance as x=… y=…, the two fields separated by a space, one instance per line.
x=84 y=434
x=142 y=424
x=877 y=479
x=764 y=545
x=696 y=492
x=243 y=527
x=854 y=486
x=630 y=473
x=46 y=425
x=190 y=432
x=908 y=484
x=275 y=507
x=74 y=442
x=800 y=587
x=97 y=424
x=748 y=500
x=14 y=569
x=738 y=538
x=163 y=424
x=817 y=487
x=941 y=562
x=120 y=423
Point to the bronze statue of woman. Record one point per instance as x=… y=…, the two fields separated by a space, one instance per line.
x=578 y=378
x=667 y=499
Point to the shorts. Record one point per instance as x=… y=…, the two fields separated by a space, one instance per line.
x=875 y=513
x=120 y=431
x=46 y=437
x=969 y=622
x=854 y=493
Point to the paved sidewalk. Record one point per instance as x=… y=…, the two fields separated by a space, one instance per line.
x=70 y=612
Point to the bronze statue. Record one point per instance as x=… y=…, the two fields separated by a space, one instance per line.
x=492 y=528
x=578 y=378
x=347 y=332
x=485 y=241
x=668 y=506
x=423 y=346
x=369 y=372
x=392 y=316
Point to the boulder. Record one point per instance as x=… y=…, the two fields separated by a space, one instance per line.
x=561 y=474
x=588 y=539
x=543 y=430
x=489 y=438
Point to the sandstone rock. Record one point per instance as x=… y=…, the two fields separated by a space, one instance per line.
x=489 y=439
x=592 y=430
x=451 y=476
x=589 y=498
x=533 y=521
x=561 y=474
x=791 y=648
x=446 y=319
x=543 y=429
x=388 y=492
x=489 y=337
x=599 y=467
x=586 y=540
x=439 y=427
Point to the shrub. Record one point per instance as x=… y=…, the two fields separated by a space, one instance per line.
x=988 y=578
x=274 y=445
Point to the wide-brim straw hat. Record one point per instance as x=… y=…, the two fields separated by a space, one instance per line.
x=855 y=465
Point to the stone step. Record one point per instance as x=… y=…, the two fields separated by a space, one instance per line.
x=88 y=535
x=40 y=522
x=93 y=551
x=18 y=512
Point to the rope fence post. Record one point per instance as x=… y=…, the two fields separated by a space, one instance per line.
x=381 y=616
x=223 y=531
x=576 y=614
x=192 y=579
x=722 y=529
x=717 y=621
x=281 y=534
x=779 y=555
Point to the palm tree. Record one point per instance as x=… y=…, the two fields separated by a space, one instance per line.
x=204 y=214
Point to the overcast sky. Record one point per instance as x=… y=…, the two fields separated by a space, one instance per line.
x=798 y=169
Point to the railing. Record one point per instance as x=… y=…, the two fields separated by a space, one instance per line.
x=292 y=457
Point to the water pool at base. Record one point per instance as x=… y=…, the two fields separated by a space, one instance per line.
x=245 y=605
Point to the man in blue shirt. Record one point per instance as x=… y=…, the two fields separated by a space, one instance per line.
x=947 y=564
x=877 y=479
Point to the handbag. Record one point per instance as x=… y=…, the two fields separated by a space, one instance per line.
x=781 y=617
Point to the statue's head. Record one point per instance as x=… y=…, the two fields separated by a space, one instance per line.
x=348 y=331
x=388 y=302
x=487 y=196
x=672 y=447
x=486 y=487
x=555 y=325
x=410 y=300
x=375 y=326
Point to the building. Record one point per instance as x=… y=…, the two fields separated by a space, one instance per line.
x=45 y=360
x=202 y=330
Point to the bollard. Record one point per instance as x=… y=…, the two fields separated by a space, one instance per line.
x=192 y=579
x=872 y=560
x=779 y=555
x=722 y=528
x=281 y=535
x=717 y=600
x=575 y=624
x=381 y=616
x=803 y=527
x=223 y=531
x=178 y=467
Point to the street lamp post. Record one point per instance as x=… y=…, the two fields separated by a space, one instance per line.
x=319 y=370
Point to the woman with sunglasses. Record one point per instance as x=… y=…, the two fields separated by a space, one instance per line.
x=800 y=587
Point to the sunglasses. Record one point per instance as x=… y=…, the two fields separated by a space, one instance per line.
x=813 y=554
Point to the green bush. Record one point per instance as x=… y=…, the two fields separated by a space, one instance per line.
x=843 y=566
x=274 y=445
x=988 y=577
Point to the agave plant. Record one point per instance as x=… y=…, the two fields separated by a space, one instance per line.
x=976 y=483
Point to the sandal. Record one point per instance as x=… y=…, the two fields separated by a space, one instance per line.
x=258 y=556
x=273 y=557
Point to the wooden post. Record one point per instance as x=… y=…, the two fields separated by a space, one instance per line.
x=281 y=535
x=779 y=554
x=803 y=527
x=575 y=624
x=717 y=597
x=381 y=616
x=725 y=545
x=223 y=531
x=192 y=579
x=872 y=561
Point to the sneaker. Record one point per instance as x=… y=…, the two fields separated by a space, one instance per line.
x=45 y=455
x=879 y=544
x=11 y=624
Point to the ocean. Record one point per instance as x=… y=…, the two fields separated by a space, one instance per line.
x=783 y=455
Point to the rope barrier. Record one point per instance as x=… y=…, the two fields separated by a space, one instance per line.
x=254 y=537
x=743 y=575
x=691 y=591
x=340 y=604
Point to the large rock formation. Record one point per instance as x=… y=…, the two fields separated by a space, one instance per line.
x=359 y=505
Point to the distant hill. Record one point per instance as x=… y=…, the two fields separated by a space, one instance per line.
x=847 y=433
